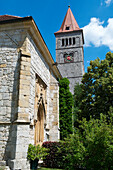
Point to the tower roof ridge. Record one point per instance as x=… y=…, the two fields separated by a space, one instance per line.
x=69 y=23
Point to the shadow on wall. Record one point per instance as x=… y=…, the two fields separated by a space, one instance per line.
x=10 y=149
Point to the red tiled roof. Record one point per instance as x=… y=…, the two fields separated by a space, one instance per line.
x=69 y=23
x=7 y=17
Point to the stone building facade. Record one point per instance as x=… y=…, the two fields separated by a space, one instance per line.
x=29 y=91
x=69 y=50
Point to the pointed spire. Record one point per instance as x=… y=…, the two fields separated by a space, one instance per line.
x=69 y=24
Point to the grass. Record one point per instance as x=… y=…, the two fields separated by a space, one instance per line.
x=2 y=167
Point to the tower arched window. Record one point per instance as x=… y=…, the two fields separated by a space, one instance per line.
x=66 y=41
x=73 y=40
x=69 y=41
x=62 y=42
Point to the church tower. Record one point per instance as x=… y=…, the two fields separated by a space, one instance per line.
x=69 y=50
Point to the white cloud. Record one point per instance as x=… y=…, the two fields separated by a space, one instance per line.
x=108 y=2
x=95 y=33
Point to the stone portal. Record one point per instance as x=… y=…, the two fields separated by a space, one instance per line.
x=40 y=111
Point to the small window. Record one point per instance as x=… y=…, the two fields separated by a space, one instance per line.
x=62 y=42
x=73 y=41
x=66 y=41
x=67 y=28
x=69 y=41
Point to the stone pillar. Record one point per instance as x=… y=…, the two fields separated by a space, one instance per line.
x=22 y=125
x=24 y=88
x=54 y=112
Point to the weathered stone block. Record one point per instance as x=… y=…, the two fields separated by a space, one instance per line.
x=23 y=103
x=1 y=103
x=23 y=58
x=24 y=82
x=3 y=65
x=25 y=63
x=25 y=77
x=3 y=110
x=22 y=72
x=25 y=92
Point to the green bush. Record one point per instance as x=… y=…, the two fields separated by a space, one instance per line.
x=36 y=152
x=98 y=138
x=91 y=146
x=73 y=152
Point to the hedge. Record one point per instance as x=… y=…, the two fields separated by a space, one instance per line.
x=54 y=159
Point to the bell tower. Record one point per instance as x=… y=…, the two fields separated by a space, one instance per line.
x=69 y=50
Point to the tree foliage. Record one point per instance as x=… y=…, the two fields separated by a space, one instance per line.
x=65 y=108
x=97 y=88
x=91 y=147
x=77 y=102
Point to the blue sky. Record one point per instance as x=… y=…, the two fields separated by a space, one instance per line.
x=94 y=16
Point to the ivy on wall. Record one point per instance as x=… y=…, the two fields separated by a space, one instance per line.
x=65 y=108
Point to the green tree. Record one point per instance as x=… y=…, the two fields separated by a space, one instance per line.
x=91 y=147
x=65 y=108
x=97 y=88
x=77 y=102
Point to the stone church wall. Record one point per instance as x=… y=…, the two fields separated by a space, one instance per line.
x=9 y=74
x=12 y=135
x=18 y=70
x=40 y=67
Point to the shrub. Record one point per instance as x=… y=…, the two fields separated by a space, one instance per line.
x=73 y=152
x=54 y=158
x=91 y=147
x=98 y=141
x=36 y=152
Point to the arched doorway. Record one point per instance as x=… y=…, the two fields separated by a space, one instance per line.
x=39 y=126
x=40 y=110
